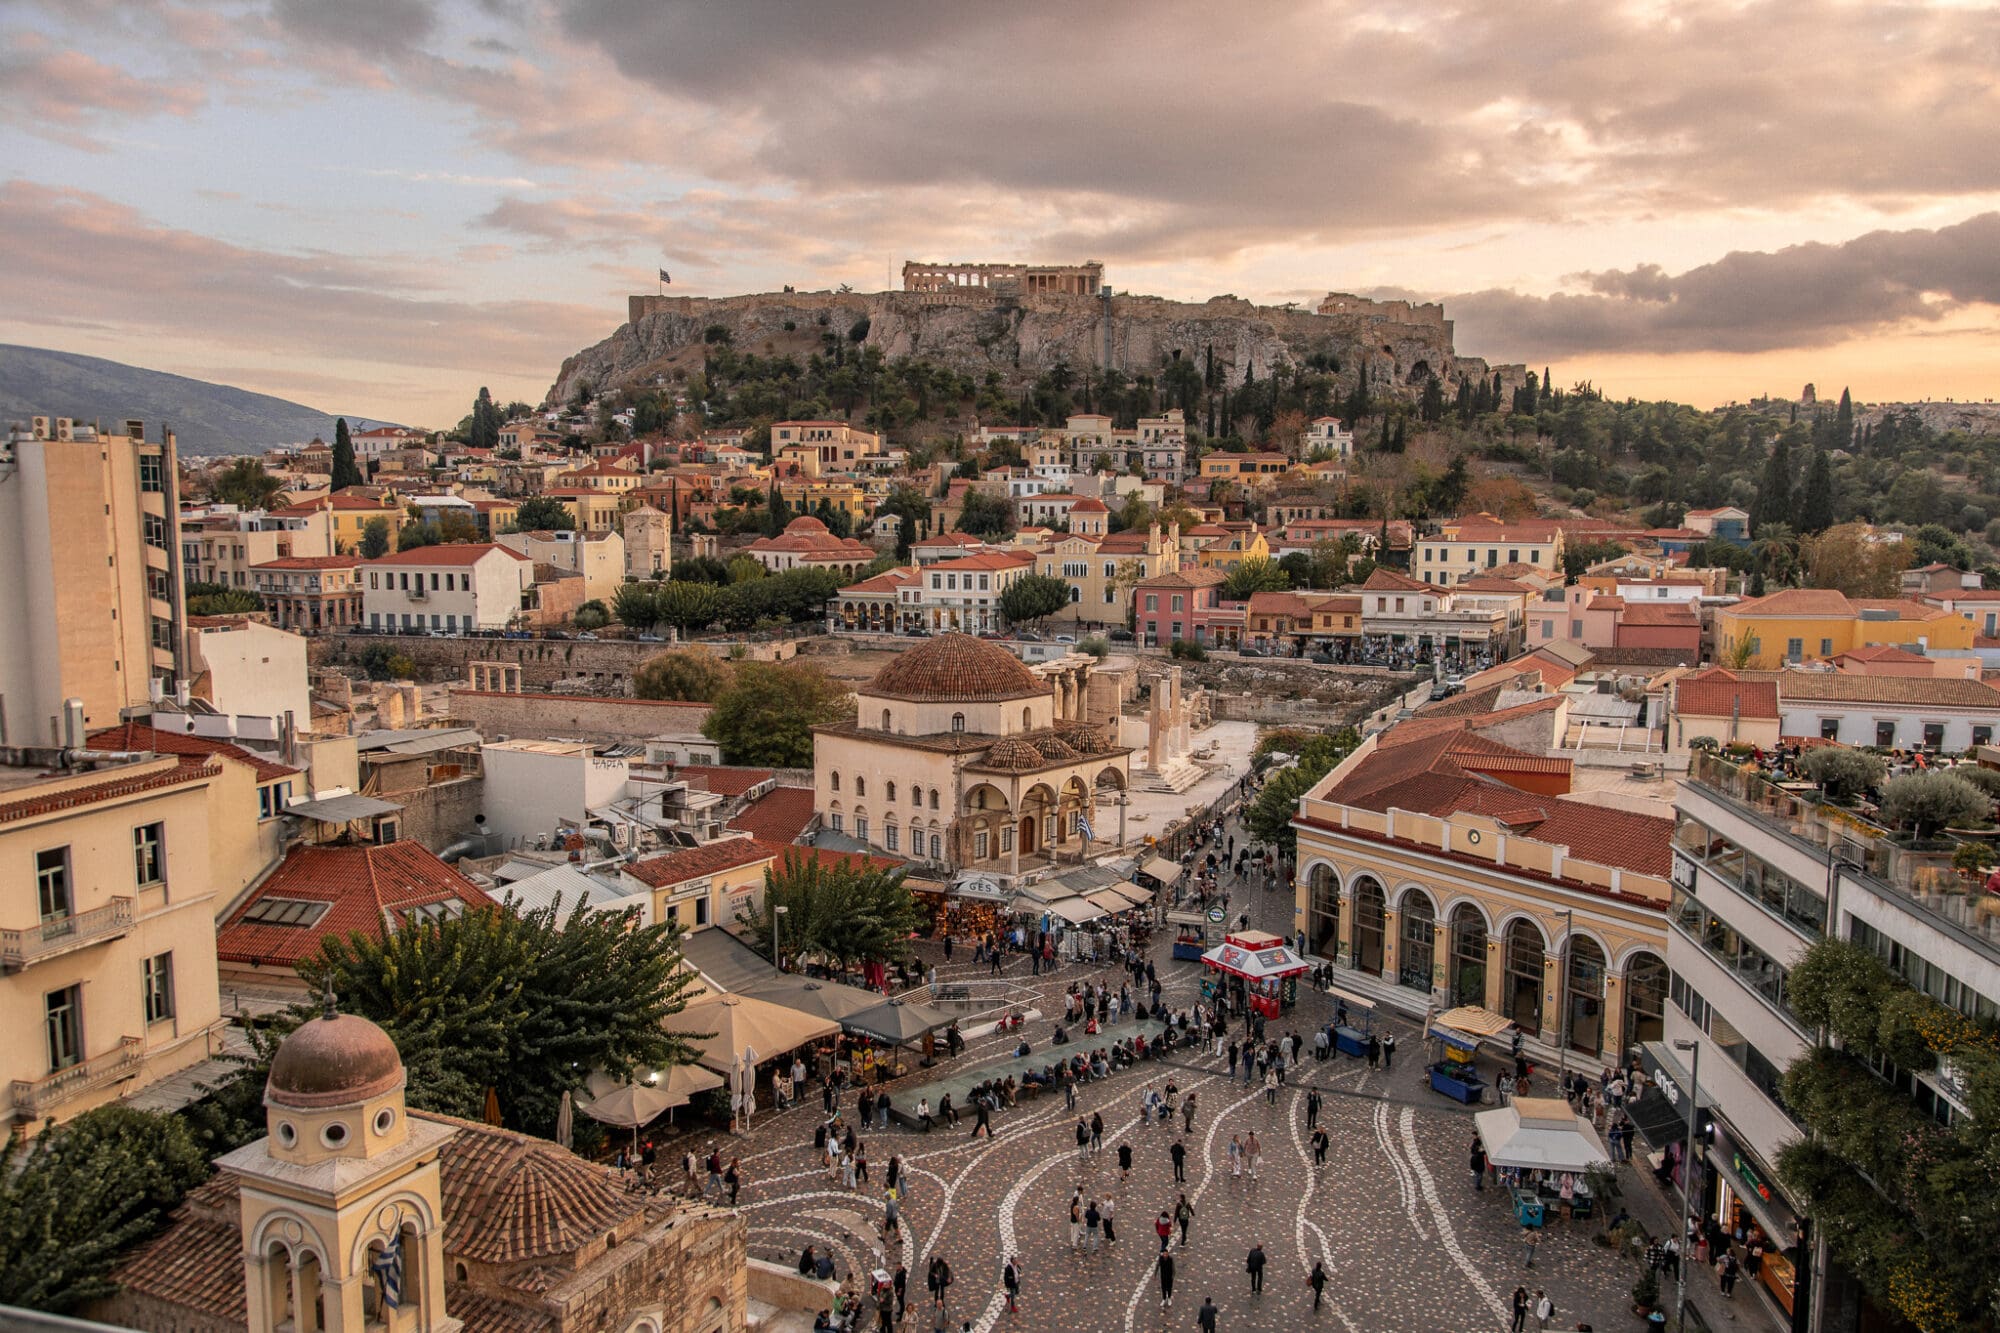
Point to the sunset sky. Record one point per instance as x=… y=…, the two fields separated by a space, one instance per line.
x=375 y=206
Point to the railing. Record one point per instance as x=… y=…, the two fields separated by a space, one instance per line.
x=22 y=948
x=1924 y=876
x=35 y=1098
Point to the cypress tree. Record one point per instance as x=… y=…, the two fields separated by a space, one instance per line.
x=1432 y=408
x=1548 y=388
x=345 y=471
x=1384 y=445
x=1774 y=493
x=1816 y=501
x=1401 y=441
x=1843 y=422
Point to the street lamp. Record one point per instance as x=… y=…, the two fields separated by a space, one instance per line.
x=777 y=913
x=1687 y=1182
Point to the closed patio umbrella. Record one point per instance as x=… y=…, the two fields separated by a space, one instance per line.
x=899 y=1022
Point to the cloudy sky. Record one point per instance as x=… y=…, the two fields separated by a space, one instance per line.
x=374 y=206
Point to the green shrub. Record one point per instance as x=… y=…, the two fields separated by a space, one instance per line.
x=1186 y=651
x=1842 y=774
x=1927 y=802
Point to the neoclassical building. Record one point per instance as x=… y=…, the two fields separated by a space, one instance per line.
x=357 y=1215
x=1439 y=867
x=963 y=756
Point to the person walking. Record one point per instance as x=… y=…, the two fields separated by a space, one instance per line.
x=1271 y=1086
x=983 y=1108
x=1725 y=1273
x=1110 y=1211
x=1520 y=1323
x=1374 y=1050
x=1076 y=1219
x=1312 y=1108
x=1163 y=1227
x=1319 y=1142
x=1236 y=1156
x=1082 y=1139
x=733 y=1178
x=1166 y=1270
x=1528 y=1238
x=1010 y=1278
x=1317 y=1281
x=1204 y=1318
x=1096 y=1133
x=1253 y=1264
x=1478 y=1164
x=1124 y=1162
x=892 y=1215
x=1187 y=1114
x=1178 y=1152
x=1388 y=1051
x=1183 y=1216
x=1545 y=1309
x=1251 y=1150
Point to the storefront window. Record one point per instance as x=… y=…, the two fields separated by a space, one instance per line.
x=1419 y=942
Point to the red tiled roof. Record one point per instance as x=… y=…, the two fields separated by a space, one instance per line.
x=950 y=539
x=826 y=856
x=32 y=802
x=1611 y=837
x=311 y=562
x=1088 y=506
x=1487 y=583
x=987 y=560
x=196 y=749
x=957 y=668
x=725 y=781
x=1720 y=693
x=367 y=885
x=458 y=553
x=1388 y=580
x=1881 y=652
x=692 y=863
x=888 y=581
x=1675 y=615
x=1796 y=602
x=777 y=817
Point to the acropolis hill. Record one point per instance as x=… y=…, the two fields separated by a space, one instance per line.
x=1021 y=319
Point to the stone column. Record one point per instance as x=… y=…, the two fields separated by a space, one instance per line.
x=1555 y=999
x=1344 y=954
x=1392 y=946
x=1496 y=974
x=1613 y=1041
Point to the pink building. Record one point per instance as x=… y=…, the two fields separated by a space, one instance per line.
x=1185 y=604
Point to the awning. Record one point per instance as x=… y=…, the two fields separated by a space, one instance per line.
x=1539 y=1133
x=821 y=999
x=899 y=1022
x=1137 y=894
x=1353 y=1001
x=1160 y=868
x=342 y=809
x=637 y=1104
x=1258 y=965
x=1473 y=1019
x=1108 y=899
x=1076 y=911
x=743 y=1023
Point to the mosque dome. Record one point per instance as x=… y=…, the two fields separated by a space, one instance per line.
x=334 y=1060
x=957 y=668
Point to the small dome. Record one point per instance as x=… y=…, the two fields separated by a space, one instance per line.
x=337 y=1060
x=1085 y=737
x=957 y=668
x=1014 y=753
x=1057 y=751
x=805 y=523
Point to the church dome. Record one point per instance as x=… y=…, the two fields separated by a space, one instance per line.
x=957 y=668
x=1058 y=751
x=803 y=524
x=337 y=1060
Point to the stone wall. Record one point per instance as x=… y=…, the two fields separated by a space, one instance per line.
x=608 y=664
x=572 y=716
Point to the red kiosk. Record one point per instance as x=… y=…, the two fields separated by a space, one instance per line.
x=1258 y=967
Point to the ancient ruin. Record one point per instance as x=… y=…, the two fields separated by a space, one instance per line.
x=1085 y=279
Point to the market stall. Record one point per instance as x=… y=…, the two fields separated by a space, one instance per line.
x=1193 y=932
x=1543 y=1151
x=1256 y=967
x=1353 y=1021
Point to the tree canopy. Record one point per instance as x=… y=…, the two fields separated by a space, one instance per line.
x=346 y=472
x=246 y=484
x=1254 y=576
x=1270 y=815
x=689 y=675
x=1033 y=598
x=985 y=515
x=845 y=912
x=525 y=1002
x=543 y=513
x=766 y=715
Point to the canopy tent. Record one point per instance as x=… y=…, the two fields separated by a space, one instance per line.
x=1108 y=899
x=821 y=999
x=1076 y=911
x=1539 y=1133
x=1463 y=1028
x=1256 y=965
x=740 y=1022
x=1136 y=894
x=899 y=1022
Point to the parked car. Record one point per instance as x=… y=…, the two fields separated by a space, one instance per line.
x=1253 y=650
x=1028 y=636
x=1120 y=636
x=651 y=638
x=1065 y=638
x=586 y=637
x=1324 y=658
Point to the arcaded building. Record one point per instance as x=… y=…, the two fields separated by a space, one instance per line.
x=964 y=757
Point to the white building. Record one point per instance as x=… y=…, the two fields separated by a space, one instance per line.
x=1327 y=433
x=248 y=669
x=445 y=589
x=1897 y=712
x=534 y=787
x=964 y=594
x=599 y=557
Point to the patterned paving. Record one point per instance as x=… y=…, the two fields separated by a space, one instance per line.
x=1406 y=1241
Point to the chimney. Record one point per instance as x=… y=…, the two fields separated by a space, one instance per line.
x=72 y=724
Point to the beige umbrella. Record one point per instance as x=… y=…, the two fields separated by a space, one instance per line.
x=565 y=1119
x=822 y=999
x=740 y=1021
x=635 y=1105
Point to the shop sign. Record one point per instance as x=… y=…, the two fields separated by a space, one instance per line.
x=1668 y=1088
x=1750 y=1177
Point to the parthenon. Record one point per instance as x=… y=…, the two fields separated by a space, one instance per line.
x=1085 y=279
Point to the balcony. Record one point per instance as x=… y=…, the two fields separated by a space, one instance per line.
x=24 y=948
x=1921 y=876
x=38 y=1097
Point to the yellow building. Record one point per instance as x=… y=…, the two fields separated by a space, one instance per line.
x=350 y=516
x=699 y=887
x=595 y=511
x=1102 y=571
x=1818 y=624
x=1249 y=469
x=1230 y=549
x=107 y=934
x=92 y=595
x=1465 y=547
x=1440 y=867
x=846 y=496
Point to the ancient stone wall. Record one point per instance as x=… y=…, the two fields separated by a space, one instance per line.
x=573 y=716
x=607 y=665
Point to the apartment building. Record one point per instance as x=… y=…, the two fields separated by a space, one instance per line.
x=1327 y=434
x=1464 y=547
x=1759 y=875
x=107 y=965
x=308 y=594
x=1482 y=614
x=810 y=448
x=224 y=545
x=92 y=600
x=598 y=558
x=349 y=512
x=1185 y=605
x=964 y=594
x=1156 y=446
x=446 y=589
x=1817 y=624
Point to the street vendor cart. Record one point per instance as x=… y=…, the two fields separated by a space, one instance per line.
x=1193 y=933
x=1455 y=1036
x=1257 y=966
x=1354 y=1022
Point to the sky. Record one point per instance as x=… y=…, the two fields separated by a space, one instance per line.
x=377 y=206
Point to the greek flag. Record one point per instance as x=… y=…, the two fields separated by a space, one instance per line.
x=1083 y=826
x=665 y=276
x=388 y=1270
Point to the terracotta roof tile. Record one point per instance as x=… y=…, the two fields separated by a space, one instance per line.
x=365 y=886
x=1720 y=693
x=1667 y=615
x=725 y=781
x=1610 y=837
x=779 y=816
x=693 y=862
x=311 y=562
x=957 y=668
x=197 y=749
x=1841 y=687
x=458 y=553
x=510 y=1198
x=1388 y=580
x=33 y=802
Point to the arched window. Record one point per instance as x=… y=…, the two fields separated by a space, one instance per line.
x=1468 y=955
x=1585 y=994
x=1418 y=948
x=833 y=781
x=1645 y=999
x=1027 y=719
x=958 y=722
x=937 y=848
x=860 y=785
x=1369 y=925
x=934 y=804
x=885 y=719
x=890 y=791
x=917 y=797
x=1522 y=994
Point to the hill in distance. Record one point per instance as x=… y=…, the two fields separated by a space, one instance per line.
x=206 y=418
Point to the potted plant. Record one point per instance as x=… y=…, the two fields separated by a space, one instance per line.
x=1646 y=1293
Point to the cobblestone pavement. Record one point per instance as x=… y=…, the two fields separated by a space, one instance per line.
x=1408 y=1243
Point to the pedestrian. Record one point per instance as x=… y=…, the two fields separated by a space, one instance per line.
x=1374 y=1050
x=733 y=1178
x=1124 y=1161
x=1520 y=1323
x=1110 y=1211
x=1312 y=1109
x=902 y=1281
x=1183 y=1215
x=1010 y=1278
x=714 y=1185
x=1179 y=1155
x=1317 y=1281
x=1204 y=1318
x=866 y=1105
x=1725 y=1273
x=1528 y=1238
x=1232 y=1061
x=882 y=1108
x=1076 y=1219
x=1253 y=1264
x=892 y=1214
x=933 y=1284
x=1545 y=1309
x=1166 y=1267
x=983 y=1108
x=1478 y=1164
x=1082 y=1139
x=1163 y=1227
x=1093 y=1226
x=1271 y=1086
x=1319 y=1142
x=1251 y=1150
x=1388 y=1050
x=1187 y=1114
x=1236 y=1156
x=1096 y=1133
x=947 y=946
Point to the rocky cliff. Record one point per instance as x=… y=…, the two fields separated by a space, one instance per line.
x=975 y=332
